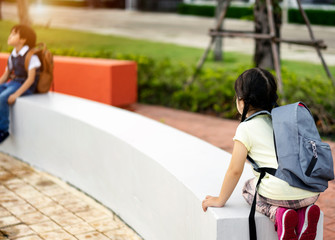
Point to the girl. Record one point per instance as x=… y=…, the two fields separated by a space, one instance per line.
x=291 y=209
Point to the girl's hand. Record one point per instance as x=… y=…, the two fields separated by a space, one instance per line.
x=232 y=176
x=211 y=202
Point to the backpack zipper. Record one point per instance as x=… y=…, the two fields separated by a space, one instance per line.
x=315 y=153
x=313 y=161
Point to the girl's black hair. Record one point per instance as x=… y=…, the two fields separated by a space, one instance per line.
x=27 y=33
x=257 y=88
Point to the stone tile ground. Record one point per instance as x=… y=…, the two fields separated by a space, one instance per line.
x=35 y=206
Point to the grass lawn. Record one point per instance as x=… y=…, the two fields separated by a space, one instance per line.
x=78 y=41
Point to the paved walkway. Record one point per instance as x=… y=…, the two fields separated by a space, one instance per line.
x=171 y=28
x=35 y=206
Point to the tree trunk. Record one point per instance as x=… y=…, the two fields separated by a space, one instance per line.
x=263 y=57
x=23 y=12
x=218 y=55
x=0 y=10
x=93 y=3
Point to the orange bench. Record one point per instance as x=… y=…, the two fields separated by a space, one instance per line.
x=112 y=82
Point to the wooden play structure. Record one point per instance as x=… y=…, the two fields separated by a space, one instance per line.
x=219 y=32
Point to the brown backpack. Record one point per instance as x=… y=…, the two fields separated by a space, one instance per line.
x=47 y=64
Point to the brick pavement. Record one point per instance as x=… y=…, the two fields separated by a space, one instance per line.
x=35 y=206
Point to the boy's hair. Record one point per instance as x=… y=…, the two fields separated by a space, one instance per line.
x=27 y=33
x=257 y=88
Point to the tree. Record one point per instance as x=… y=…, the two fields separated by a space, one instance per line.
x=93 y=3
x=263 y=53
x=22 y=7
x=0 y=10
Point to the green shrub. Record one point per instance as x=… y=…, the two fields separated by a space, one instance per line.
x=317 y=93
x=209 y=11
x=315 y=16
x=198 y=10
x=162 y=82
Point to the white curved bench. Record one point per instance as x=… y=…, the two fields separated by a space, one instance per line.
x=153 y=176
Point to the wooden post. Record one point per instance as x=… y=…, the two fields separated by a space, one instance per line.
x=22 y=7
x=274 y=48
x=274 y=40
x=218 y=55
x=313 y=39
x=204 y=56
x=0 y=10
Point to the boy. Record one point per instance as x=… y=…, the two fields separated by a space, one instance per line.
x=22 y=82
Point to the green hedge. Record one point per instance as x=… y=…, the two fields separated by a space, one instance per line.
x=161 y=82
x=315 y=16
x=209 y=11
x=198 y=10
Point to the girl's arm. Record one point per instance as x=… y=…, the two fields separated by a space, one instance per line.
x=232 y=176
x=25 y=86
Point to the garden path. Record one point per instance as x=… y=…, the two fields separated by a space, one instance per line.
x=171 y=28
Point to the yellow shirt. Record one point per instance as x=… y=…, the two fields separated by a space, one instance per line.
x=257 y=136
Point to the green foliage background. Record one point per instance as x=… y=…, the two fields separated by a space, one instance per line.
x=316 y=16
x=163 y=70
x=163 y=83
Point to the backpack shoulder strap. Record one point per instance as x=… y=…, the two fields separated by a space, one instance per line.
x=263 y=112
x=30 y=53
x=268 y=170
x=252 y=223
x=40 y=47
x=262 y=171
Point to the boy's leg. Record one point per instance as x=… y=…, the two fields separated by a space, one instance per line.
x=6 y=90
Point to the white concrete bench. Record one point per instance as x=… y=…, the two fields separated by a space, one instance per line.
x=153 y=176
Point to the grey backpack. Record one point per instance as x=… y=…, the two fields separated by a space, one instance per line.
x=304 y=161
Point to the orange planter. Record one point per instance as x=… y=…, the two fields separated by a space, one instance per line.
x=113 y=82
x=3 y=62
